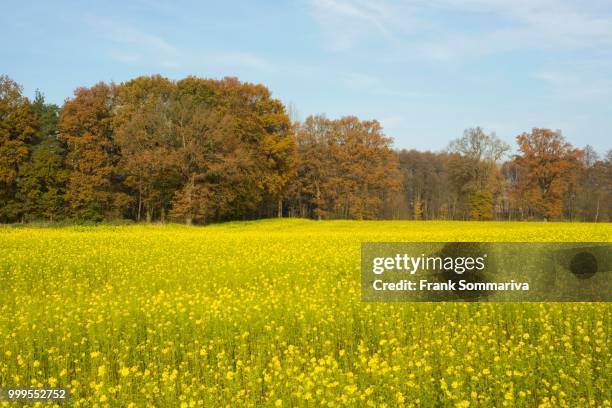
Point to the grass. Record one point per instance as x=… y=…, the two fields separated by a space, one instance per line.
x=268 y=313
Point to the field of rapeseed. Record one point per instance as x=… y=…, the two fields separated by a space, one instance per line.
x=269 y=314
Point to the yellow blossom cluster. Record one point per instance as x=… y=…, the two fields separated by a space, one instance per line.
x=269 y=313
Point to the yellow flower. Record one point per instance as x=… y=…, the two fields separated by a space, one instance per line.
x=124 y=372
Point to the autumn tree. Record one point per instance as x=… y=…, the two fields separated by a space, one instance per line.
x=474 y=168
x=234 y=150
x=17 y=127
x=204 y=150
x=347 y=168
x=202 y=138
x=368 y=168
x=593 y=199
x=265 y=134
x=603 y=185
x=427 y=192
x=143 y=131
x=314 y=144
x=547 y=166
x=94 y=188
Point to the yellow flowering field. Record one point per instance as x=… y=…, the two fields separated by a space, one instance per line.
x=269 y=313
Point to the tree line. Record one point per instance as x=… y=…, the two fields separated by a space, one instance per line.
x=203 y=150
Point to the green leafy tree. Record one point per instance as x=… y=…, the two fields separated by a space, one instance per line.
x=43 y=177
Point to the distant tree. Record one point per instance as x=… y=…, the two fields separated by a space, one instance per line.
x=590 y=156
x=427 y=192
x=143 y=130
x=368 y=168
x=347 y=168
x=603 y=184
x=418 y=208
x=205 y=150
x=314 y=149
x=201 y=137
x=547 y=167
x=95 y=189
x=235 y=150
x=475 y=172
x=43 y=177
x=594 y=187
x=17 y=128
x=266 y=137
x=481 y=205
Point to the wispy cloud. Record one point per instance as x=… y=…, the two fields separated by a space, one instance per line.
x=559 y=24
x=371 y=13
x=124 y=34
x=443 y=32
x=417 y=28
x=129 y=45
x=345 y=21
x=575 y=84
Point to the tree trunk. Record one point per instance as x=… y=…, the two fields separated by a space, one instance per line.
x=280 y=208
x=318 y=196
x=139 y=203
x=189 y=218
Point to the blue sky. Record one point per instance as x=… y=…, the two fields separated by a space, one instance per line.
x=427 y=69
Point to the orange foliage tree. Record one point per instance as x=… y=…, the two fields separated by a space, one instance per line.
x=94 y=188
x=547 y=166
